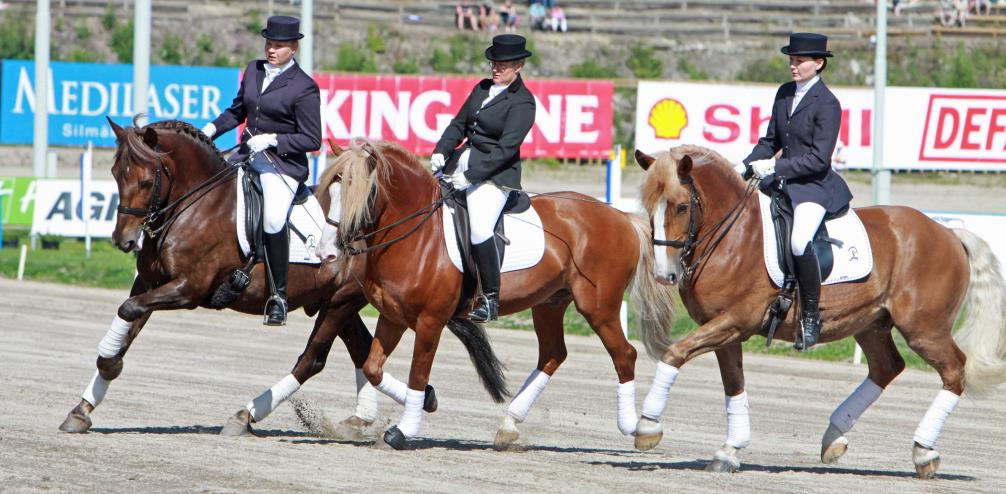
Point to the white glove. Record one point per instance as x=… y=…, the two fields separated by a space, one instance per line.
x=460 y=181
x=740 y=168
x=262 y=142
x=763 y=168
x=436 y=162
x=209 y=129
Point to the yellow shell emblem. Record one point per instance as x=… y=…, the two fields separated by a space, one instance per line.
x=668 y=118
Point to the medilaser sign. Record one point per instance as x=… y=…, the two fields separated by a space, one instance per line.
x=924 y=129
x=573 y=118
x=81 y=95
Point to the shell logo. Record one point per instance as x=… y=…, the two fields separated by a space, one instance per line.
x=668 y=118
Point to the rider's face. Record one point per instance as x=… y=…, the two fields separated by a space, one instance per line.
x=505 y=72
x=279 y=52
x=804 y=68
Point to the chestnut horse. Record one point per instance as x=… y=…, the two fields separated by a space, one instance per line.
x=710 y=239
x=389 y=214
x=188 y=263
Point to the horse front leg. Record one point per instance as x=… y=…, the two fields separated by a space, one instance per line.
x=731 y=363
x=713 y=335
x=428 y=330
x=111 y=349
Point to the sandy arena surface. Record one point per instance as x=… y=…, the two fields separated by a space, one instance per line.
x=189 y=371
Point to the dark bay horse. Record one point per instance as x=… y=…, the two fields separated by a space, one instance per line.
x=593 y=253
x=189 y=261
x=923 y=274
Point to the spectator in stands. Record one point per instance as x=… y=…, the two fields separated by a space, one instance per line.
x=508 y=16
x=537 y=13
x=480 y=152
x=978 y=4
x=805 y=121
x=466 y=16
x=489 y=18
x=558 y=19
x=953 y=12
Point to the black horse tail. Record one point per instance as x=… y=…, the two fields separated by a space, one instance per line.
x=488 y=366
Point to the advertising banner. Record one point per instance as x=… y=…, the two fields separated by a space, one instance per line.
x=573 y=118
x=81 y=95
x=58 y=208
x=17 y=195
x=925 y=128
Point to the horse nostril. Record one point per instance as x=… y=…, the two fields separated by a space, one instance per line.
x=673 y=278
x=126 y=246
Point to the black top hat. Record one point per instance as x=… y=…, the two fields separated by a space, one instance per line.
x=507 y=47
x=282 y=28
x=808 y=45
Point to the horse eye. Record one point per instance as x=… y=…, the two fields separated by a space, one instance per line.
x=146 y=184
x=682 y=208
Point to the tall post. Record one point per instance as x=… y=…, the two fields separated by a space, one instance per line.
x=306 y=58
x=40 y=142
x=881 y=174
x=141 y=60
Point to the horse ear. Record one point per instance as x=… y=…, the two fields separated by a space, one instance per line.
x=684 y=167
x=115 y=127
x=336 y=149
x=644 y=159
x=150 y=138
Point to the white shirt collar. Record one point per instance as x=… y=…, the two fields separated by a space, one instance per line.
x=274 y=71
x=804 y=86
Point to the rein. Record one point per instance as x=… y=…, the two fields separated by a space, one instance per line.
x=692 y=240
x=345 y=244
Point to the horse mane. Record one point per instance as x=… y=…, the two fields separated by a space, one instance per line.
x=663 y=173
x=364 y=168
x=133 y=149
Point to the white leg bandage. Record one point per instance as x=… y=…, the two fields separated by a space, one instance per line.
x=110 y=345
x=656 y=399
x=366 y=398
x=412 y=417
x=96 y=390
x=931 y=425
x=846 y=415
x=627 y=418
x=265 y=403
x=392 y=387
x=529 y=392
x=738 y=421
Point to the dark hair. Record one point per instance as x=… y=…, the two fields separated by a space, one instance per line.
x=823 y=66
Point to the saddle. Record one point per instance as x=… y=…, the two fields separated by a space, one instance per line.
x=517 y=202
x=252 y=189
x=782 y=217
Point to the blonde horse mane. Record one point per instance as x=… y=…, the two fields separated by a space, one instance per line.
x=663 y=173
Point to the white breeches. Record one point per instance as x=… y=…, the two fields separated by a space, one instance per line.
x=277 y=196
x=485 y=203
x=807 y=218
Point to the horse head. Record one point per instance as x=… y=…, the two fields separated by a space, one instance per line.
x=146 y=172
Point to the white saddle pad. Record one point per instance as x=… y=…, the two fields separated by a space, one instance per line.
x=853 y=260
x=307 y=219
x=524 y=230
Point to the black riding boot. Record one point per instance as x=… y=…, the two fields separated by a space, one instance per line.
x=808 y=275
x=488 y=263
x=277 y=249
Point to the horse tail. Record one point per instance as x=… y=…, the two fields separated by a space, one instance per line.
x=652 y=302
x=488 y=366
x=982 y=336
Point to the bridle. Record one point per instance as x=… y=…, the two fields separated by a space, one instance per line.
x=692 y=238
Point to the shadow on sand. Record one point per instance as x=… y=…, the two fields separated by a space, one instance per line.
x=700 y=465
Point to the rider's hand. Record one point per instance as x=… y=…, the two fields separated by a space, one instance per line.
x=209 y=129
x=460 y=181
x=262 y=142
x=763 y=168
x=436 y=162
x=740 y=168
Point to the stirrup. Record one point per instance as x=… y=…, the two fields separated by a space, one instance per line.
x=268 y=318
x=482 y=313
x=800 y=345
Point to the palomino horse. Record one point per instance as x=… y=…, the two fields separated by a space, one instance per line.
x=709 y=242
x=173 y=181
x=390 y=211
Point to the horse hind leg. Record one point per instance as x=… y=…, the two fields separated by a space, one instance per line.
x=551 y=353
x=885 y=364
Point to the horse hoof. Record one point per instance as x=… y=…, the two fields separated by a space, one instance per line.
x=831 y=453
x=506 y=435
x=77 y=422
x=356 y=422
x=238 y=425
x=927 y=461
x=430 y=401
x=649 y=432
x=718 y=466
x=395 y=438
x=724 y=460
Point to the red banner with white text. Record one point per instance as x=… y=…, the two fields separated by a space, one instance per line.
x=573 y=118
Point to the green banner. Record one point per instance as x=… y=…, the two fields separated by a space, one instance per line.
x=17 y=197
